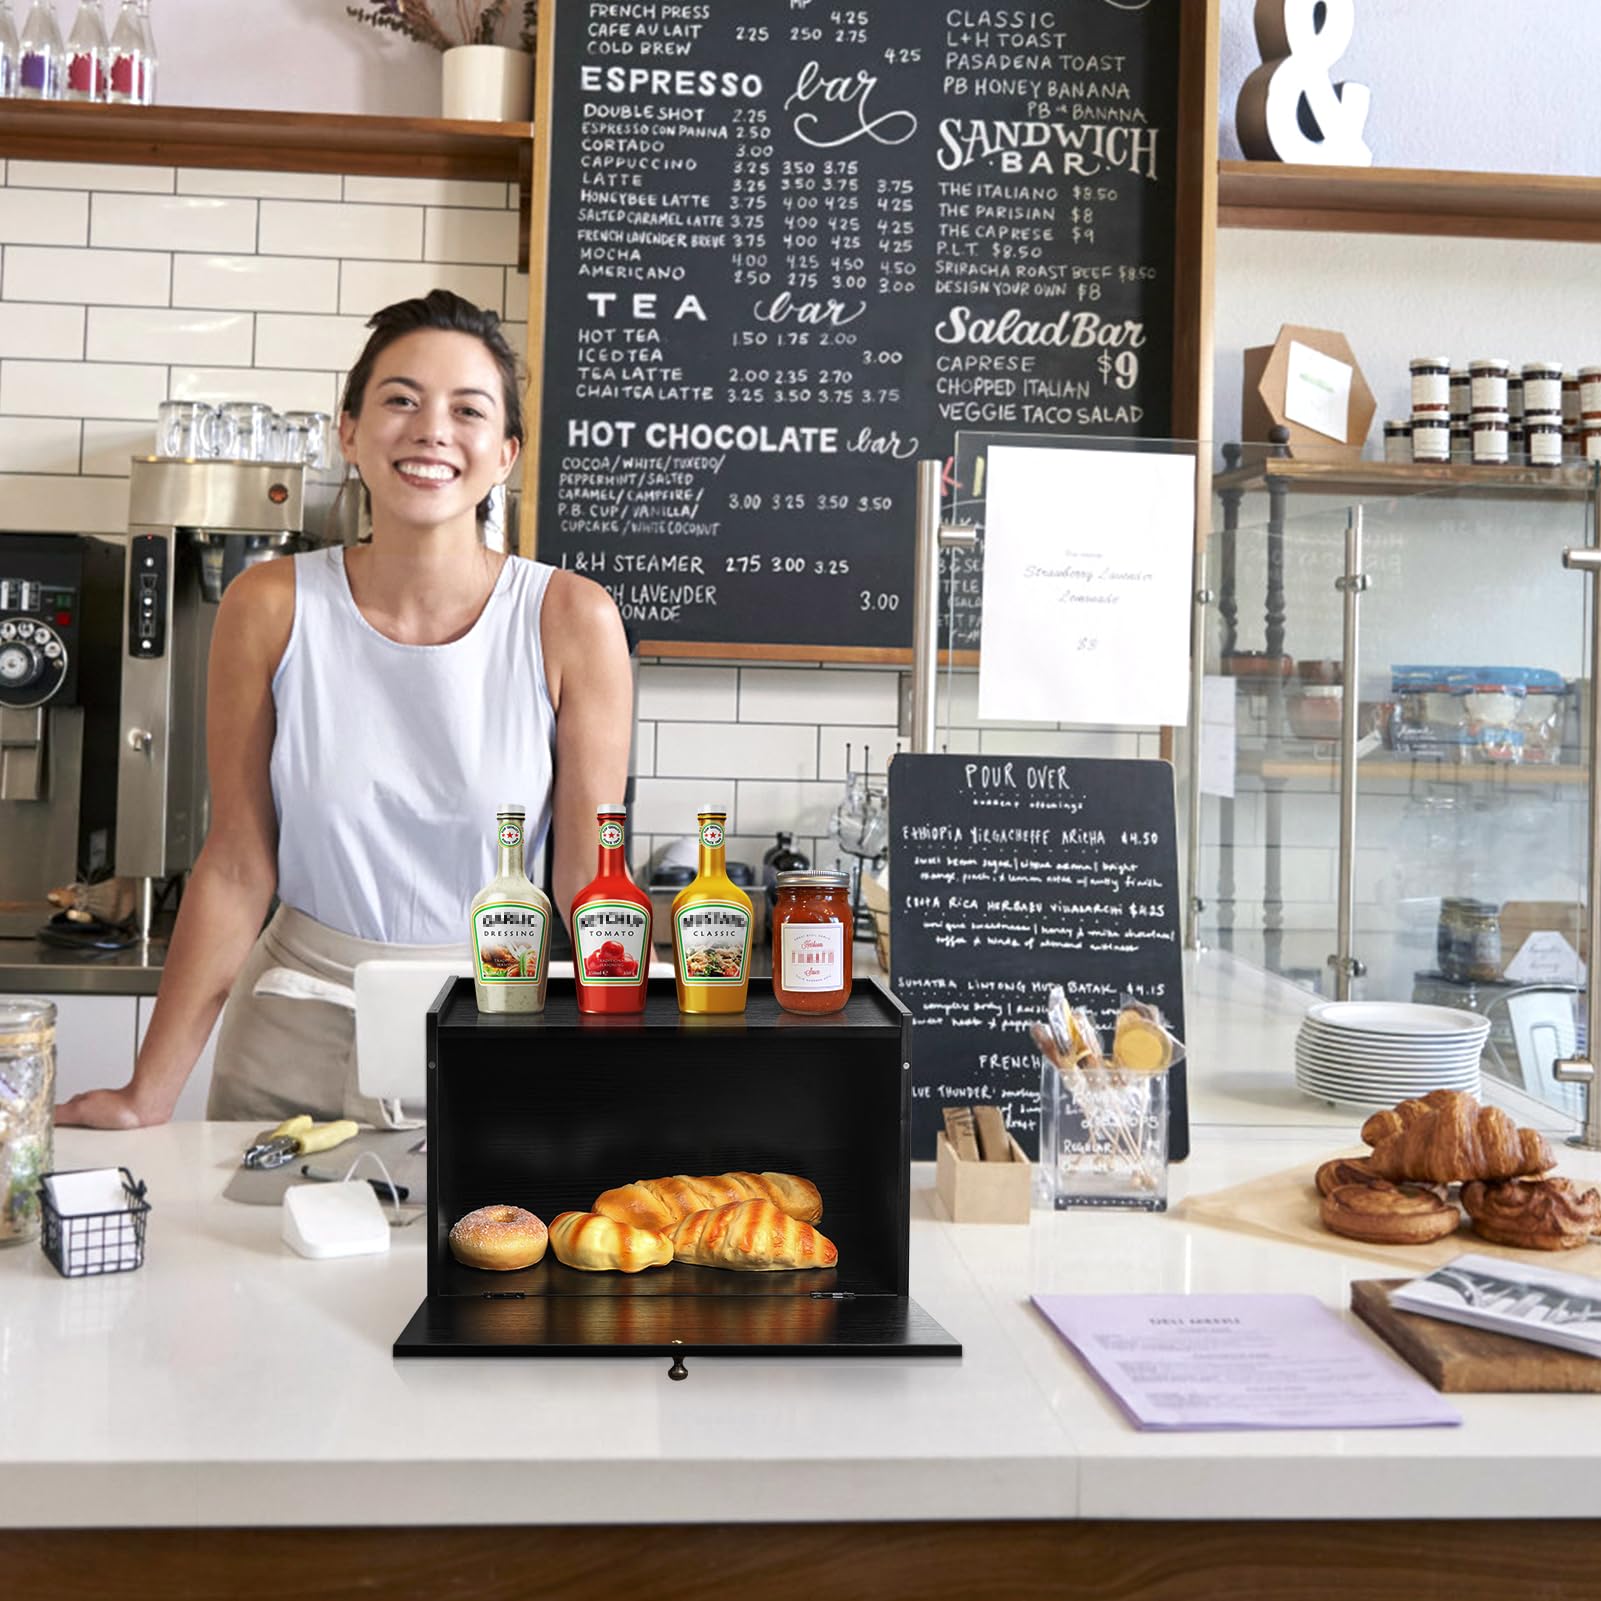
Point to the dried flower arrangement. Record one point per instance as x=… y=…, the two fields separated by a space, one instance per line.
x=472 y=22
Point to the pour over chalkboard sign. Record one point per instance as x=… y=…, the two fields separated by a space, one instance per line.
x=1012 y=873
x=791 y=249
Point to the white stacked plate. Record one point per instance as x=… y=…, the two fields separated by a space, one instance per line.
x=1375 y=1053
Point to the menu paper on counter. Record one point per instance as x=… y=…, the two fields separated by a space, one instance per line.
x=1088 y=563
x=794 y=248
x=1204 y=1362
x=1012 y=873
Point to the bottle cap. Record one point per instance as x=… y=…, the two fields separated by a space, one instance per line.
x=619 y=810
x=511 y=809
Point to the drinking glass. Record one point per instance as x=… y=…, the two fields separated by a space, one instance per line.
x=246 y=431
x=27 y=1111
x=186 y=428
x=306 y=436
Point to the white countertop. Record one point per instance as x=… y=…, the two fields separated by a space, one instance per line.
x=229 y=1382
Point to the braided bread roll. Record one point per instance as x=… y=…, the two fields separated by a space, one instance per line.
x=752 y=1235
x=660 y=1203
x=1458 y=1140
x=600 y=1245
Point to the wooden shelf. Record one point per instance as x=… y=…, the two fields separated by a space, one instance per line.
x=273 y=141
x=1476 y=205
x=1396 y=478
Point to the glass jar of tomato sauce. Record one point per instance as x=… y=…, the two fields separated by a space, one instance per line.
x=812 y=936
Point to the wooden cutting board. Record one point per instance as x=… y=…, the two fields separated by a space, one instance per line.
x=1453 y=1357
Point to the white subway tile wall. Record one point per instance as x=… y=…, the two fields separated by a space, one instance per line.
x=122 y=286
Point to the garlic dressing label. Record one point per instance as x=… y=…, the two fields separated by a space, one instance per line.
x=510 y=939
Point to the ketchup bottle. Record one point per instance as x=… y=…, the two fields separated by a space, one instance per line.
x=611 y=928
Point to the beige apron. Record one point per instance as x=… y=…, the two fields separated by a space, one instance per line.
x=287 y=1049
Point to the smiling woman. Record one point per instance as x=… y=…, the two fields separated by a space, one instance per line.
x=370 y=707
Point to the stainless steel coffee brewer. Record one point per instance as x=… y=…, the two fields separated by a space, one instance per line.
x=193 y=526
x=59 y=606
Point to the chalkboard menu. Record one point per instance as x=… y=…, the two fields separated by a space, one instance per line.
x=792 y=247
x=1009 y=874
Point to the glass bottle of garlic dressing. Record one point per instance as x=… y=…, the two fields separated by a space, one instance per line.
x=510 y=928
x=711 y=921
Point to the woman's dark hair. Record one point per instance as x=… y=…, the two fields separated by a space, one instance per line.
x=449 y=313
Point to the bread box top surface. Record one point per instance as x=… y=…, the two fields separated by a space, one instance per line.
x=871 y=1012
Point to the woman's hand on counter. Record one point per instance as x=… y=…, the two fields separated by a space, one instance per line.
x=107 y=1109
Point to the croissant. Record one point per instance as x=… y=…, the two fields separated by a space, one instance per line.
x=1459 y=1140
x=660 y=1203
x=753 y=1235
x=600 y=1245
x=1383 y=1124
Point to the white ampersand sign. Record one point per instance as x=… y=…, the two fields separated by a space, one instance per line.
x=1290 y=108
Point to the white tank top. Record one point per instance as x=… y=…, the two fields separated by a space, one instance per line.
x=389 y=760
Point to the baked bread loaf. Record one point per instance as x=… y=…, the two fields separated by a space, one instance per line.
x=1344 y=1170
x=752 y=1235
x=1533 y=1214
x=1453 y=1140
x=596 y=1244
x=660 y=1203
x=1388 y=1214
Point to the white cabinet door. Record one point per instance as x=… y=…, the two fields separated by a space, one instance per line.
x=94 y=1042
x=191 y=1105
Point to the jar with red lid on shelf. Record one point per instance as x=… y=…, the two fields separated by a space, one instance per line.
x=813 y=934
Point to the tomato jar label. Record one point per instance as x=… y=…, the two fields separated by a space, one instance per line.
x=812 y=956
x=610 y=936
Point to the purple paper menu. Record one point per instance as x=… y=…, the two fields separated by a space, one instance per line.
x=1240 y=1362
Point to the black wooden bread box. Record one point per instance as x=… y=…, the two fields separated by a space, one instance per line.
x=547 y=1111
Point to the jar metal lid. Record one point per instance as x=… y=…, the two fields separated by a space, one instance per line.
x=1542 y=369
x=1397 y=425
x=1589 y=372
x=814 y=881
x=1431 y=364
x=1488 y=363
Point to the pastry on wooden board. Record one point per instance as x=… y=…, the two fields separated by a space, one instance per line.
x=1551 y=1214
x=751 y=1235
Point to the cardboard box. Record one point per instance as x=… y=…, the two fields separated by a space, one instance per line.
x=984 y=1192
x=1262 y=398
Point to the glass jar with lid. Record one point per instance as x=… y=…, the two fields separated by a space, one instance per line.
x=813 y=932
x=27 y=1111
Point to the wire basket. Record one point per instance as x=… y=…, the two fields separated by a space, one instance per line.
x=95 y=1242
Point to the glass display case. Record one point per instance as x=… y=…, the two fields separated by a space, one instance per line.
x=1391 y=798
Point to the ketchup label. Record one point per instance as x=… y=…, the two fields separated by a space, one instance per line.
x=611 y=936
x=812 y=956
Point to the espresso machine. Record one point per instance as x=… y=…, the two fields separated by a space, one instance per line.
x=193 y=526
x=59 y=607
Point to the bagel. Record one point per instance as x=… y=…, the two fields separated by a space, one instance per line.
x=498 y=1239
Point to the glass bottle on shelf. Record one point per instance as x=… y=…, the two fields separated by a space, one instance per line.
x=39 y=54
x=88 y=53
x=127 y=56
x=9 y=46
x=147 y=56
x=611 y=927
x=510 y=928
x=711 y=920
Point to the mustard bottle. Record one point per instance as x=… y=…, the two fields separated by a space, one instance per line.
x=711 y=921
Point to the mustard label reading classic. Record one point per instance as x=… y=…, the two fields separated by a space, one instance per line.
x=509 y=943
x=713 y=939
